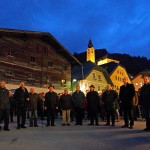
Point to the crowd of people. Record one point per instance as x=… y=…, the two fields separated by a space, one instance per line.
x=109 y=105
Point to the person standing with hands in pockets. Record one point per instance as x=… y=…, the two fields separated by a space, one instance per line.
x=93 y=105
x=78 y=98
x=126 y=94
x=21 y=97
x=51 y=100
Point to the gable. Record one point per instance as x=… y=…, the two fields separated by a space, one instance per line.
x=119 y=73
x=26 y=40
x=99 y=77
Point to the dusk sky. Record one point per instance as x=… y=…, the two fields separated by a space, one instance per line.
x=120 y=26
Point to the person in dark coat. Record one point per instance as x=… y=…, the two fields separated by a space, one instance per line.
x=12 y=106
x=51 y=100
x=126 y=94
x=66 y=106
x=40 y=105
x=78 y=98
x=145 y=100
x=93 y=105
x=32 y=107
x=21 y=97
x=109 y=98
x=4 y=105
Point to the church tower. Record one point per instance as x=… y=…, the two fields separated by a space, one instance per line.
x=90 y=52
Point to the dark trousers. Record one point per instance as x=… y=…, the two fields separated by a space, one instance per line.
x=93 y=116
x=50 y=116
x=4 y=113
x=110 y=114
x=21 y=116
x=12 y=111
x=128 y=115
x=135 y=112
x=72 y=115
x=79 y=116
x=147 y=117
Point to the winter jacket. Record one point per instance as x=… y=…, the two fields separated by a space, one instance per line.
x=78 y=98
x=51 y=100
x=110 y=99
x=145 y=95
x=92 y=101
x=21 y=97
x=4 y=99
x=126 y=96
x=66 y=102
x=33 y=100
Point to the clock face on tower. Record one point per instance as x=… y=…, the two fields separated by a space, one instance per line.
x=90 y=49
x=91 y=54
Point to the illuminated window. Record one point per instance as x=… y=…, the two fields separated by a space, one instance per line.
x=99 y=77
x=94 y=76
x=116 y=77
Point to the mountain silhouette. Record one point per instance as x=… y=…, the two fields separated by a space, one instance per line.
x=133 y=64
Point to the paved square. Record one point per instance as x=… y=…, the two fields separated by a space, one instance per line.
x=76 y=137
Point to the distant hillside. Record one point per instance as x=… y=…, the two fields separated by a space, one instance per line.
x=133 y=64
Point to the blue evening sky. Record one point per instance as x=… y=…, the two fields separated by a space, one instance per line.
x=120 y=26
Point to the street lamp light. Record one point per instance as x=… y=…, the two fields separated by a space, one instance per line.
x=74 y=80
x=73 y=83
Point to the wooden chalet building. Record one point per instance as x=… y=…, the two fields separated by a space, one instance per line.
x=36 y=58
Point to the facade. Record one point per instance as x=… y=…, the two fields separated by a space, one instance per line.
x=117 y=72
x=36 y=58
x=138 y=81
x=90 y=52
x=106 y=60
x=90 y=73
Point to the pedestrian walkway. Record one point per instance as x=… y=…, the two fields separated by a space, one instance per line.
x=76 y=137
